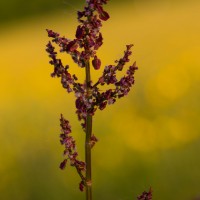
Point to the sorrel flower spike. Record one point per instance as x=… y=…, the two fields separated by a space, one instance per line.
x=88 y=36
x=89 y=97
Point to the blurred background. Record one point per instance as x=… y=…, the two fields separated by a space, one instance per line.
x=151 y=138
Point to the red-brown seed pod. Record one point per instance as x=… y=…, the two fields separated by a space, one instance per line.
x=96 y=63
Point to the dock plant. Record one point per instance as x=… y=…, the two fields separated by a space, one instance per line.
x=90 y=95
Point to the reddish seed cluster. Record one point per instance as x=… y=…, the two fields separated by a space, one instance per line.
x=59 y=70
x=70 y=146
x=83 y=49
x=146 y=195
x=88 y=36
x=81 y=186
x=70 y=149
x=88 y=104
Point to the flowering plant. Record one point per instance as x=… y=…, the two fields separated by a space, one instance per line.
x=83 y=50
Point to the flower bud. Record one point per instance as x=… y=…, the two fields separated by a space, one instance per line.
x=81 y=186
x=79 y=32
x=96 y=63
x=63 y=164
x=72 y=46
x=103 y=15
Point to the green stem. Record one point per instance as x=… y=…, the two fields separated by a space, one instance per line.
x=88 y=139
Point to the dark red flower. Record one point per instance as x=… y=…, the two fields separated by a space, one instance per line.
x=102 y=105
x=63 y=164
x=52 y=33
x=96 y=63
x=79 y=32
x=93 y=140
x=72 y=46
x=80 y=15
x=81 y=186
x=98 y=42
x=103 y=15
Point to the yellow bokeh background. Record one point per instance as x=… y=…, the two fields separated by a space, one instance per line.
x=149 y=138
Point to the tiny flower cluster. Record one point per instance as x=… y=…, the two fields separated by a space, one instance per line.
x=89 y=103
x=70 y=149
x=146 y=195
x=88 y=36
x=59 y=70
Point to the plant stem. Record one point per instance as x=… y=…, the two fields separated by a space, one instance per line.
x=88 y=139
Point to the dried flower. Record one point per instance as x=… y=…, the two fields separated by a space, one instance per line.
x=81 y=186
